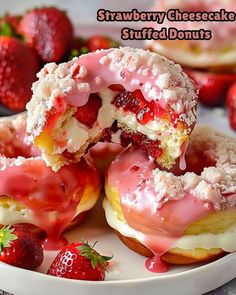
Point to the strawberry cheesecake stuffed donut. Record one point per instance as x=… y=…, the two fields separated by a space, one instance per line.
x=217 y=50
x=171 y=218
x=124 y=95
x=30 y=192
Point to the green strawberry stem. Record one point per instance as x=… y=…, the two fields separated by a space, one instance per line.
x=89 y=253
x=6 y=237
x=6 y=30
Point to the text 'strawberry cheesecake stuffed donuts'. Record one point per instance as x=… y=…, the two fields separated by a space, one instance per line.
x=122 y=95
x=30 y=192
x=210 y=63
x=176 y=219
x=217 y=51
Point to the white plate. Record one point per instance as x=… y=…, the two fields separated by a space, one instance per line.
x=127 y=274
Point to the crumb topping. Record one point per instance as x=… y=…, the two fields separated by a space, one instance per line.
x=215 y=185
x=167 y=83
x=61 y=88
x=157 y=77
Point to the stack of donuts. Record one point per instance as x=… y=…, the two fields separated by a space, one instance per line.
x=171 y=188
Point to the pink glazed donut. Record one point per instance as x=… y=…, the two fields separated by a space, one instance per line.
x=179 y=217
x=30 y=192
x=124 y=95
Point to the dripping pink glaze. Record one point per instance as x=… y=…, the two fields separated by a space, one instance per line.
x=182 y=161
x=109 y=74
x=46 y=192
x=160 y=225
x=43 y=191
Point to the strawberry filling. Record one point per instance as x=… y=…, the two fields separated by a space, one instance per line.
x=55 y=113
x=135 y=102
x=87 y=114
x=151 y=148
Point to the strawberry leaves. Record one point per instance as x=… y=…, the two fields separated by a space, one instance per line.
x=6 y=29
x=89 y=253
x=6 y=237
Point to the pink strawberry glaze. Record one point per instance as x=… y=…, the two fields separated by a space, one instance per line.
x=52 y=197
x=101 y=73
x=159 y=226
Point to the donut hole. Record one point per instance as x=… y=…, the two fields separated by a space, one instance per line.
x=10 y=150
x=17 y=144
x=195 y=160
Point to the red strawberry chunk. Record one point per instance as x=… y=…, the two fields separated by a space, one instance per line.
x=87 y=114
x=135 y=102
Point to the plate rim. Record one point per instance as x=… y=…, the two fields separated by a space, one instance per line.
x=222 y=261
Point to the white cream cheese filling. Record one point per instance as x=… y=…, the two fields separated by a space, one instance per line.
x=225 y=241
x=12 y=214
x=77 y=134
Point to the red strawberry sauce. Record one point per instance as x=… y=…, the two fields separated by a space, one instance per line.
x=52 y=197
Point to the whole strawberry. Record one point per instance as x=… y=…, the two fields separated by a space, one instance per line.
x=20 y=247
x=101 y=42
x=19 y=65
x=231 y=104
x=79 y=261
x=49 y=31
x=212 y=87
x=9 y=25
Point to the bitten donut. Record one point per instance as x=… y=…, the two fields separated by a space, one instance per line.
x=30 y=192
x=217 y=52
x=179 y=219
x=123 y=95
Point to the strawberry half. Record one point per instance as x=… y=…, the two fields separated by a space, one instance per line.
x=20 y=247
x=79 y=261
x=212 y=87
x=231 y=104
x=19 y=65
x=49 y=31
x=87 y=114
